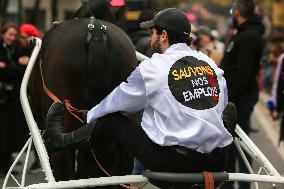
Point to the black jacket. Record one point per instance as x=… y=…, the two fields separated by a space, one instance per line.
x=12 y=71
x=13 y=129
x=241 y=60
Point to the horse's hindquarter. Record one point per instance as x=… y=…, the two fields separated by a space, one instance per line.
x=65 y=60
x=65 y=65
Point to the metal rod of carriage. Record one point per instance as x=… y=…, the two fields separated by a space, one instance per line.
x=132 y=179
x=26 y=164
x=245 y=159
x=243 y=146
x=141 y=57
x=15 y=162
x=34 y=131
x=92 y=182
x=257 y=153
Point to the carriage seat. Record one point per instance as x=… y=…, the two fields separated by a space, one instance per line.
x=195 y=180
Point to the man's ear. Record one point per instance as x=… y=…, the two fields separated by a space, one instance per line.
x=164 y=35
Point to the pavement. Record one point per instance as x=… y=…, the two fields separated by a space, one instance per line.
x=270 y=127
x=266 y=139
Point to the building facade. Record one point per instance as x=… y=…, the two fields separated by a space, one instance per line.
x=41 y=12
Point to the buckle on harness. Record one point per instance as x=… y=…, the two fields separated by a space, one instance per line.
x=104 y=28
x=91 y=26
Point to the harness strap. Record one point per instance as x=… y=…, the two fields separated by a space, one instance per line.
x=91 y=27
x=209 y=180
x=67 y=103
x=95 y=25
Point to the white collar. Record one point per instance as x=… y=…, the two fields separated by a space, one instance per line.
x=177 y=47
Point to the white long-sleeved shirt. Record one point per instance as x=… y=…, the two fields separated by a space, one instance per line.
x=183 y=100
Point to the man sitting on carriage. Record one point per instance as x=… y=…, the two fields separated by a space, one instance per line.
x=183 y=94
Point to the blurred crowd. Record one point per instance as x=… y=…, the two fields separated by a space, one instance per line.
x=14 y=56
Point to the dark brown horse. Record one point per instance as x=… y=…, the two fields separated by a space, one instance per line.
x=83 y=72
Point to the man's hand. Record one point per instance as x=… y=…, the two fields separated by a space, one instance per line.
x=2 y=65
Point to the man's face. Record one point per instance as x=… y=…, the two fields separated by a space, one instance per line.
x=155 y=41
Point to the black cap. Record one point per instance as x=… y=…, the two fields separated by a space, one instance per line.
x=171 y=19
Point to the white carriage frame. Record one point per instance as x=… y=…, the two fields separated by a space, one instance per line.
x=242 y=142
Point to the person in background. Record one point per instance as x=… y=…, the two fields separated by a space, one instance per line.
x=193 y=35
x=274 y=51
x=216 y=37
x=206 y=44
x=267 y=67
x=264 y=18
x=278 y=90
x=231 y=32
x=241 y=65
x=26 y=31
x=9 y=72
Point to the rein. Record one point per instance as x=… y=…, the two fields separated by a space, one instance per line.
x=67 y=103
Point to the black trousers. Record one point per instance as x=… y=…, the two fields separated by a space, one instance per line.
x=153 y=156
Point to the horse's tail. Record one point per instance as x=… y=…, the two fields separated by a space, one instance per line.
x=99 y=66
